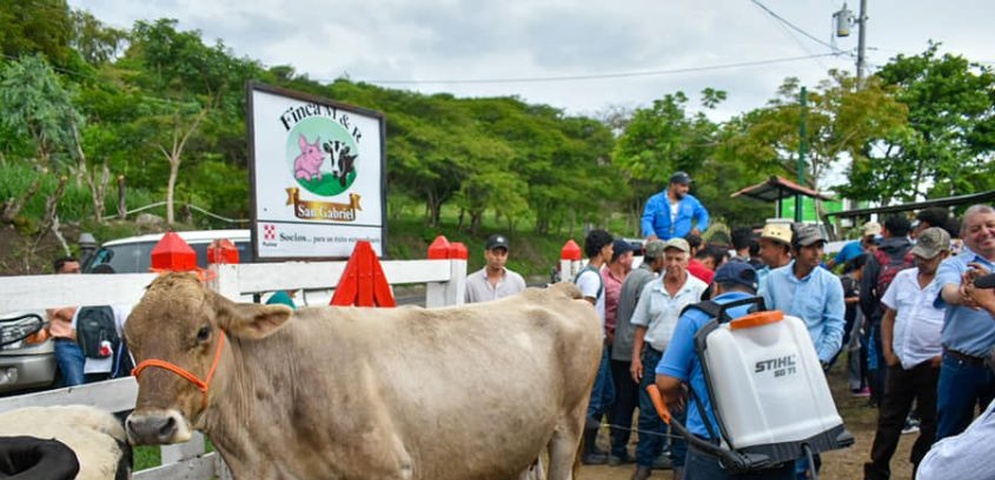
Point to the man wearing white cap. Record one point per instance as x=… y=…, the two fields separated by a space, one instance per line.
x=854 y=249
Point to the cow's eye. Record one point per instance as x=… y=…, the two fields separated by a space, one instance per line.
x=203 y=334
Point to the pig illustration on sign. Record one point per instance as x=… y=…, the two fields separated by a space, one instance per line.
x=307 y=165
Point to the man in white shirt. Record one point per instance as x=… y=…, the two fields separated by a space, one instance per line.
x=494 y=281
x=911 y=342
x=655 y=318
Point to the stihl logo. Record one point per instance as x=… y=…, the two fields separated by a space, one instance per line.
x=781 y=366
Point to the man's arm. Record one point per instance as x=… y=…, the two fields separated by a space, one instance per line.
x=953 y=286
x=833 y=321
x=649 y=213
x=868 y=297
x=984 y=298
x=888 y=336
x=636 y=369
x=701 y=216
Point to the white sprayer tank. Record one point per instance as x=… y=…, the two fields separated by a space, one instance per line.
x=767 y=385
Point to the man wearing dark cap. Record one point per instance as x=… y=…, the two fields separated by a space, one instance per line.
x=674 y=212
x=910 y=339
x=494 y=281
x=681 y=365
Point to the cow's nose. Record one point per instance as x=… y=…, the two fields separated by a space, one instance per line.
x=158 y=428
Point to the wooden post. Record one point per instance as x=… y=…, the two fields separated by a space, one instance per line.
x=122 y=207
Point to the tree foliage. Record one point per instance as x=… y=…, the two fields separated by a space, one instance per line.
x=947 y=147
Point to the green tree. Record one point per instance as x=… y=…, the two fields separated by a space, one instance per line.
x=947 y=149
x=36 y=107
x=44 y=27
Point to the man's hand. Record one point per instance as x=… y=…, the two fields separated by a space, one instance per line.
x=651 y=237
x=936 y=361
x=891 y=359
x=695 y=231
x=636 y=369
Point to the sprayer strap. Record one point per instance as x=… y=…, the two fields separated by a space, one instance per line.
x=703 y=413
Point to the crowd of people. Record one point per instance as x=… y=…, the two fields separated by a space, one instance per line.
x=896 y=305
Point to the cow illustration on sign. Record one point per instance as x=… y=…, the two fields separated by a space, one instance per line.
x=307 y=165
x=343 y=162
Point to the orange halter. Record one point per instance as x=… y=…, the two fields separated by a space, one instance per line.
x=201 y=384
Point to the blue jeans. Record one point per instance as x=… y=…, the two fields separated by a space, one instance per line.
x=69 y=357
x=603 y=392
x=701 y=466
x=961 y=388
x=652 y=430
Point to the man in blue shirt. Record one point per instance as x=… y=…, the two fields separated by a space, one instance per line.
x=733 y=281
x=670 y=213
x=811 y=293
x=968 y=332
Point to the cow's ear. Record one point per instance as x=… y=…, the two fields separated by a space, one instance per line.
x=253 y=321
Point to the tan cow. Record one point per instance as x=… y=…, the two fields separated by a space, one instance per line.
x=473 y=392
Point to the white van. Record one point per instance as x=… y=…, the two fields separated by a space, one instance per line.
x=134 y=254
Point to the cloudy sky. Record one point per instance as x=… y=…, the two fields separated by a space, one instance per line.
x=582 y=56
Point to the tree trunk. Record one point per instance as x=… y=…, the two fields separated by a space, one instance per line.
x=175 y=157
x=52 y=206
x=13 y=206
x=122 y=207
x=98 y=191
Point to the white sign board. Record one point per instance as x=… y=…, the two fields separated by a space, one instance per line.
x=318 y=176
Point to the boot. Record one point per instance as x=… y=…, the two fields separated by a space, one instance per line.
x=592 y=455
x=642 y=473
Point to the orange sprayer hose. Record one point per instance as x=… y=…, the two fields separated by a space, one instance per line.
x=661 y=407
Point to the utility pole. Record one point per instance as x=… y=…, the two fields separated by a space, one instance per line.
x=861 y=41
x=844 y=19
x=802 y=135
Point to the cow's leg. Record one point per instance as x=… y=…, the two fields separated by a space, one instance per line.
x=565 y=444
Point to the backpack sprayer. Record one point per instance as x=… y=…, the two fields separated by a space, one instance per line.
x=768 y=391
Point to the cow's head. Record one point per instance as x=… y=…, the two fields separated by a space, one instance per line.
x=177 y=335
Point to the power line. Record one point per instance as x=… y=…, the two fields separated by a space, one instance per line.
x=796 y=28
x=563 y=78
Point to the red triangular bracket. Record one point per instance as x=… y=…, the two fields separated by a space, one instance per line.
x=363 y=283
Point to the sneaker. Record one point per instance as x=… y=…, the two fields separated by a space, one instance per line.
x=616 y=460
x=861 y=392
x=663 y=462
x=911 y=426
x=594 y=458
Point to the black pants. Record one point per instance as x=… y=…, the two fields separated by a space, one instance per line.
x=626 y=401
x=901 y=388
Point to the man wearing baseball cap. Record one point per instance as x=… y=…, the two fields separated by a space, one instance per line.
x=494 y=281
x=911 y=342
x=804 y=289
x=854 y=249
x=674 y=212
x=680 y=365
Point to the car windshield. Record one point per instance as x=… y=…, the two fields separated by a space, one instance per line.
x=137 y=257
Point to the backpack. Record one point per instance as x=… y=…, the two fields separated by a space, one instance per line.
x=601 y=283
x=95 y=325
x=890 y=266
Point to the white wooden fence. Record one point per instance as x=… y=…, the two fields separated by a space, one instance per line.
x=445 y=285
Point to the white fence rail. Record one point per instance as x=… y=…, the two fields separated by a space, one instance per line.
x=445 y=285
